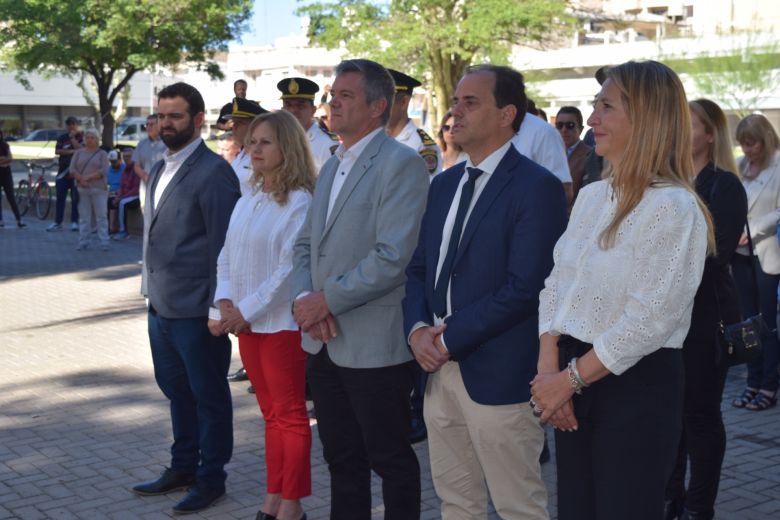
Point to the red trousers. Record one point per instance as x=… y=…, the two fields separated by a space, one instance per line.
x=276 y=366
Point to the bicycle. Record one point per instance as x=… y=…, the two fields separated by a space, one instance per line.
x=35 y=191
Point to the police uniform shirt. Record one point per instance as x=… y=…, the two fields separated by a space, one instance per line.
x=242 y=165
x=322 y=144
x=419 y=140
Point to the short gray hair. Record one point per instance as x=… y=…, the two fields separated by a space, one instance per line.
x=94 y=132
x=377 y=82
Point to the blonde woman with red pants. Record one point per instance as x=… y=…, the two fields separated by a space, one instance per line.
x=253 y=296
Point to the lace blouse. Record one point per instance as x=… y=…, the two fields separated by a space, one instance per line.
x=637 y=296
x=254 y=266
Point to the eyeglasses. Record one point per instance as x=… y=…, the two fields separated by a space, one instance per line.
x=570 y=125
x=446 y=128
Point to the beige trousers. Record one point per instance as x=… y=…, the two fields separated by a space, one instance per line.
x=476 y=449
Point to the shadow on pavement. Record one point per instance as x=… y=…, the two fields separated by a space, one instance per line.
x=32 y=252
x=125 y=310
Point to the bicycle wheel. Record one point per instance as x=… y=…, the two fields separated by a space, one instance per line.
x=43 y=200
x=23 y=197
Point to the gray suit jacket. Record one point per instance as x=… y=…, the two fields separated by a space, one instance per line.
x=358 y=256
x=185 y=232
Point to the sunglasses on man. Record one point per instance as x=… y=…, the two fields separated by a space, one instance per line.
x=570 y=125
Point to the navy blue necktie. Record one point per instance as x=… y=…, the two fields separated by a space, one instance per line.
x=443 y=282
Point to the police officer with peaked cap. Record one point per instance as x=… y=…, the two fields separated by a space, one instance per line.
x=298 y=99
x=243 y=112
x=403 y=129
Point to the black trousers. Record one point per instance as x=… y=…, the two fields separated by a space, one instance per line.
x=704 y=437
x=762 y=370
x=363 y=419
x=7 y=184
x=616 y=465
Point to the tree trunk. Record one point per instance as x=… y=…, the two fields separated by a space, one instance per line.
x=108 y=130
x=447 y=69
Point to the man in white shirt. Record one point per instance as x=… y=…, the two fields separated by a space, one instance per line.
x=298 y=99
x=403 y=129
x=241 y=116
x=348 y=276
x=471 y=305
x=191 y=196
x=539 y=141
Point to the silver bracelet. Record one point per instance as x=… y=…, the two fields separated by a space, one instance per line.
x=577 y=383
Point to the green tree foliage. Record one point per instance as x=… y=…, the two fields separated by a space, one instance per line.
x=110 y=41
x=741 y=75
x=437 y=38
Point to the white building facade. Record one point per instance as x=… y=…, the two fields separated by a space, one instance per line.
x=615 y=31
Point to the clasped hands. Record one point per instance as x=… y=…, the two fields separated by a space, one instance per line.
x=232 y=321
x=427 y=347
x=81 y=180
x=313 y=316
x=551 y=392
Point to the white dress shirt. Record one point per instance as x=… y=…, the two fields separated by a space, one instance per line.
x=347 y=159
x=254 y=266
x=637 y=296
x=173 y=162
x=321 y=144
x=540 y=141
x=242 y=166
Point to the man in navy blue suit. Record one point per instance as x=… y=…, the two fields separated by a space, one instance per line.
x=471 y=306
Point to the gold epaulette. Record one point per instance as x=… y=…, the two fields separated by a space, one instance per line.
x=427 y=140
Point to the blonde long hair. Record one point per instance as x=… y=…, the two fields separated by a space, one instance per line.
x=716 y=124
x=659 y=144
x=297 y=170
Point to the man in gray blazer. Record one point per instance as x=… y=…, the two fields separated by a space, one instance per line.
x=348 y=278
x=191 y=196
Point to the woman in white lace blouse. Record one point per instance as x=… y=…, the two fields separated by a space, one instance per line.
x=253 y=296
x=617 y=306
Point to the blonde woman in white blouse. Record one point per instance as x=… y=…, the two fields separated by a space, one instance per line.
x=617 y=306
x=253 y=296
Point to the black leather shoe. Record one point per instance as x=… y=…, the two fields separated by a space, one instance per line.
x=238 y=375
x=198 y=498
x=419 y=432
x=264 y=516
x=169 y=481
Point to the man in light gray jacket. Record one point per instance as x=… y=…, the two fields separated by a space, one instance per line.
x=348 y=279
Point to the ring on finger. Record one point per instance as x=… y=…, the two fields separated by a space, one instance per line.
x=538 y=411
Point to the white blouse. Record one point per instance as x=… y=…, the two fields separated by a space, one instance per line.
x=254 y=266
x=636 y=296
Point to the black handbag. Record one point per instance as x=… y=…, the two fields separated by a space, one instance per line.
x=741 y=342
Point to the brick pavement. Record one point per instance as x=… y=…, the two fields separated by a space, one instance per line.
x=81 y=418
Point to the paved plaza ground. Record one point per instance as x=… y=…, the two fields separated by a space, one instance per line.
x=81 y=418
